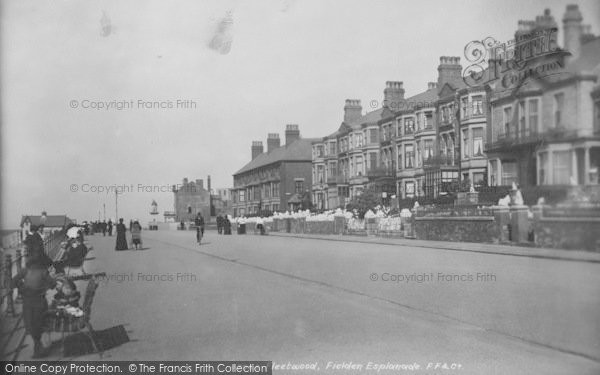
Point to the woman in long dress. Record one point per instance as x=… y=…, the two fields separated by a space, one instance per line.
x=136 y=234
x=121 y=238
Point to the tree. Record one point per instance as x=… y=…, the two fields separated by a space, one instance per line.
x=368 y=200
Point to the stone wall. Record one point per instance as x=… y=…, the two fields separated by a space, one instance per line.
x=567 y=227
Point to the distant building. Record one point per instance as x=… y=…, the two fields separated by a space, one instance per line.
x=51 y=223
x=221 y=202
x=274 y=178
x=190 y=199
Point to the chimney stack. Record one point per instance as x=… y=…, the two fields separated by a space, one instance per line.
x=352 y=110
x=449 y=70
x=257 y=149
x=292 y=133
x=393 y=95
x=200 y=183
x=208 y=183
x=273 y=142
x=431 y=85
x=572 y=30
x=185 y=181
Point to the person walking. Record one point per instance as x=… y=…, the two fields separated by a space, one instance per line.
x=219 y=224
x=104 y=228
x=121 y=238
x=199 y=227
x=110 y=227
x=35 y=245
x=33 y=282
x=136 y=234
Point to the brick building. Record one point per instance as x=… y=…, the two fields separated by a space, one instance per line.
x=274 y=178
x=540 y=130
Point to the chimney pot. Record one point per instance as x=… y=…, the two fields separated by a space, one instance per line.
x=292 y=133
x=256 y=149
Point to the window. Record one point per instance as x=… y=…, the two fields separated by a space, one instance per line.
x=597 y=116
x=242 y=196
x=543 y=169
x=320 y=174
x=509 y=172
x=409 y=189
x=561 y=161
x=399 y=153
x=507 y=120
x=419 y=153
x=465 y=143
x=275 y=189
x=299 y=186
x=478 y=179
x=319 y=151
x=372 y=160
x=409 y=125
x=450 y=112
x=428 y=120
x=373 y=136
x=559 y=102
x=533 y=115
x=522 y=116
x=359 y=140
x=477 y=105
x=428 y=146
x=359 y=166
x=478 y=142
x=493 y=172
x=444 y=114
x=463 y=107
x=409 y=156
x=331 y=148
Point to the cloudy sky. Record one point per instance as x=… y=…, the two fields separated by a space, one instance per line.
x=249 y=67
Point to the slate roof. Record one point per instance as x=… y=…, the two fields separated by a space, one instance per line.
x=299 y=150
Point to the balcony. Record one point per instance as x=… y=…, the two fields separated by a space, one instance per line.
x=379 y=172
x=506 y=140
x=439 y=160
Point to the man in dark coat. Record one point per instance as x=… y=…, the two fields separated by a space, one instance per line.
x=110 y=227
x=199 y=227
x=219 y=224
x=33 y=282
x=121 y=238
x=103 y=228
x=35 y=246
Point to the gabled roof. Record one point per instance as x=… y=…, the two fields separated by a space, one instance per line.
x=51 y=220
x=299 y=150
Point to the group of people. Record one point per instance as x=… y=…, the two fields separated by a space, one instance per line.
x=41 y=273
x=98 y=226
x=223 y=224
x=136 y=235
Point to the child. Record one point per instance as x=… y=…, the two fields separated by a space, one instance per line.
x=33 y=282
x=66 y=295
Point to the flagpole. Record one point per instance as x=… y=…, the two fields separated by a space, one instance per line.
x=116 y=205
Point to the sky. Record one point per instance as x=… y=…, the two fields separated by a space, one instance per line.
x=138 y=95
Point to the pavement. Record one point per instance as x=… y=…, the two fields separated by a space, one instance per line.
x=315 y=301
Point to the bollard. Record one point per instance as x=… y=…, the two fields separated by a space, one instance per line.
x=10 y=307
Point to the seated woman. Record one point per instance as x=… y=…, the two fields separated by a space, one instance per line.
x=74 y=256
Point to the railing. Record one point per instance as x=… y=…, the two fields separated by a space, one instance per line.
x=381 y=172
x=473 y=113
x=527 y=136
x=439 y=160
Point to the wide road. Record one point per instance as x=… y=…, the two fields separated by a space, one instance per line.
x=295 y=301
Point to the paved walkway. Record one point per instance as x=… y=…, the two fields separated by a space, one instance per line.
x=522 y=251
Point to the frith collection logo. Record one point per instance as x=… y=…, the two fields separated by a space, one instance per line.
x=533 y=55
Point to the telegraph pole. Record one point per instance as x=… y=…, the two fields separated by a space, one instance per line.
x=116 y=205
x=104 y=206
